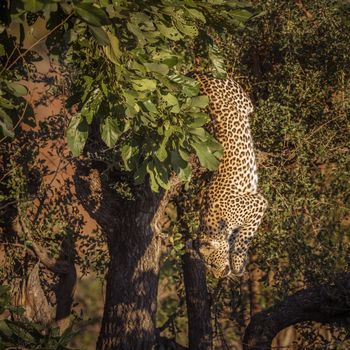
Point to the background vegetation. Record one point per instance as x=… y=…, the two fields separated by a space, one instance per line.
x=123 y=78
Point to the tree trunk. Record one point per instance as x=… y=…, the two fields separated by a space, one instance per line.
x=198 y=304
x=132 y=279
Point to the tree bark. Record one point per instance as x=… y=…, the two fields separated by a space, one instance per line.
x=198 y=302
x=254 y=286
x=132 y=279
x=323 y=304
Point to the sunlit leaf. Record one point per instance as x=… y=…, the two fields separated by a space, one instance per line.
x=189 y=30
x=241 y=14
x=169 y=32
x=152 y=177
x=160 y=68
x=77 y=133
x=128 y=151
x=217 y=61
x=189 y=86
x=114 y=42
x=196 y=14
x=200 y=101
x=144 y=84
x=109 y=131
x=151 y=107
x=206 y=158
x=17 y=89
x=33 y=5
x=199 y=120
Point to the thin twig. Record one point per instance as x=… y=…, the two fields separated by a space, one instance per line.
x=56 y=266
x=8 y=59
x=38 y=41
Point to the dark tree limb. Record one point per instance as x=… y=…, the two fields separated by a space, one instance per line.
x=198 y=302
x=324 y=304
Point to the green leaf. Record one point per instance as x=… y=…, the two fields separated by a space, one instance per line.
x=128 y=152
x=6 y=103
x=152 y=177
x=240 y=15
x=160 y=68
x=5 y=130
x=162 y=153
x=184 y=154
x=6 y=124
x=161 y=174
x=171 y=101
x=169 y=32
x=144 y=84
x=171 y=61
x=200 y=119
x=100 y=35
x=196 y=14
x=19 y=330
x=217 y=61
x=114 y=41
x=190 y=87
x=200 y=101
x=92 y=14
x=2 y=50
x=215 y=147
x=91 y=106
x=109 y=131
x=206 y=158
x=5 y=329
x=151 y=107
x=77 y=134
x=177 y=162
x=200 y=133
x=165 y=56
x=189 y=30
x=33 y=5
x=17 y=89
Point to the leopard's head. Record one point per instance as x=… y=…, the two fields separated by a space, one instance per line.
x=215 y=254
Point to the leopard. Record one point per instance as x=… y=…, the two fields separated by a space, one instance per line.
x=232 y=208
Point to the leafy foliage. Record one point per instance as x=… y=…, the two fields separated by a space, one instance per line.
x=130 y=58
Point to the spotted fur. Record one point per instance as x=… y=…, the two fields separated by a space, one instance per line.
x=232 y=209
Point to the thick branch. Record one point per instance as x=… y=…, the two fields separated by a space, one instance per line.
x=323 y=304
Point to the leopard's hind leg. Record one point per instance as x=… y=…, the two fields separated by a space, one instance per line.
x=251 y=211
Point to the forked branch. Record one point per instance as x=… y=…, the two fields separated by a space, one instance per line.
x=324 y=304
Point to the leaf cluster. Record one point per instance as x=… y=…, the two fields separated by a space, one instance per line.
x=129 y=61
